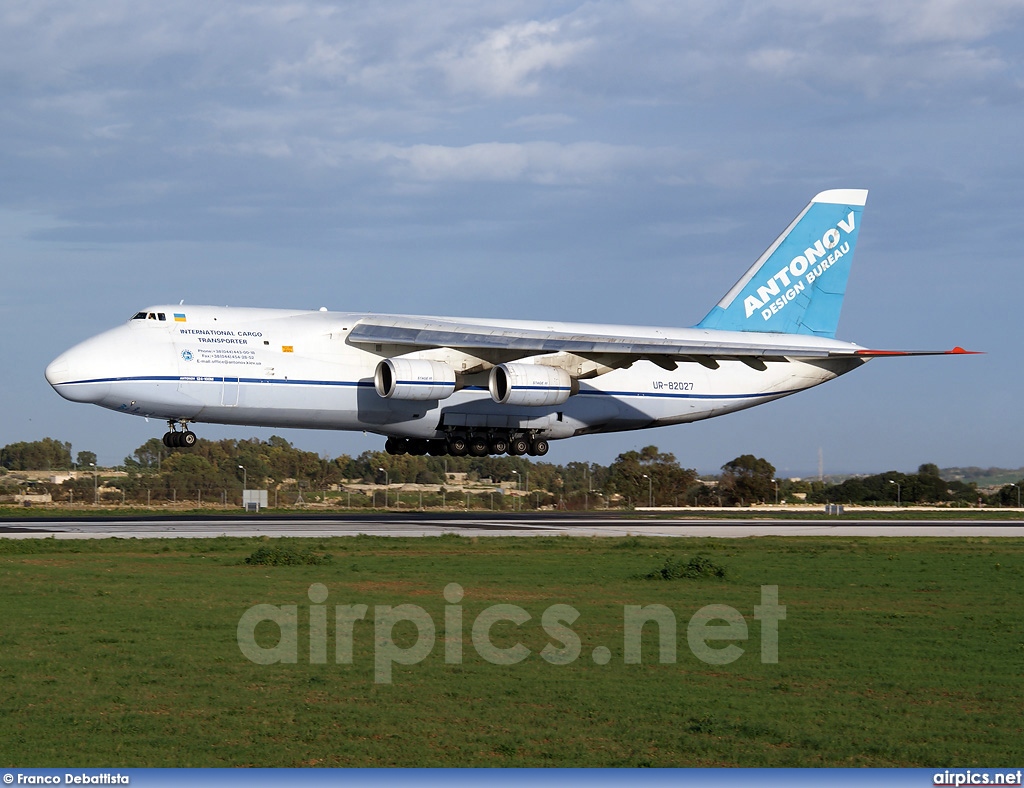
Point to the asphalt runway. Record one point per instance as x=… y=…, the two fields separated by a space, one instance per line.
x=420 y=525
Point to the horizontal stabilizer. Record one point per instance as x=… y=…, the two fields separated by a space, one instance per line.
x=957 y=351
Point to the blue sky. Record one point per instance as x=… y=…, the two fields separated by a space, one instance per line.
x=601 y=161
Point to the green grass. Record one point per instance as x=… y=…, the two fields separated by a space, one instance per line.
x=894 y=652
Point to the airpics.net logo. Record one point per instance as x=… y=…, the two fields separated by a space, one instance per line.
x=975 y=777
x=712 y=633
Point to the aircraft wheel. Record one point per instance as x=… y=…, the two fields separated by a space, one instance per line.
x=187 y=439
x=417 y=447
x=479 y=447
x=458 y=446
x=499 y=446
x=389 y=446
x=517 y=447
x=539 y=447
x=437 y=448
x=169 y=440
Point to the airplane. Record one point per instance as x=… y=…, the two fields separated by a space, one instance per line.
x=458 y=386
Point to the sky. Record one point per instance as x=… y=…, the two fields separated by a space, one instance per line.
x=620 y=162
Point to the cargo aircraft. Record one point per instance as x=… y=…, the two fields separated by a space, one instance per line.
x=444 y=385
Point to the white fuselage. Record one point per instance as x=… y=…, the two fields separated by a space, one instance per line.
x=286 y=368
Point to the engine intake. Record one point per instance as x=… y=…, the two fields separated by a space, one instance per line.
x=530 y=384
x=414 y=379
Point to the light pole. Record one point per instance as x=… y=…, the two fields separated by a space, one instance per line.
x=517 y=483
x=899 y=492
x=650 y=494
x=1018 y=493
x=387 y=483
x=95 y=486
x=776 y=483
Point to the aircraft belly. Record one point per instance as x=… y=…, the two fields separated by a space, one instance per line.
x=150 y=398
x=318 y=404
x=647 y=395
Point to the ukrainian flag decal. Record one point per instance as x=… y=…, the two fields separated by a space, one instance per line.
x=179 y=318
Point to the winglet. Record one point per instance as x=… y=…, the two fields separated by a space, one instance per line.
x=797 y=285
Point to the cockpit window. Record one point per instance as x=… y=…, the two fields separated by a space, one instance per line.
x=139 y=316
x=161 y=316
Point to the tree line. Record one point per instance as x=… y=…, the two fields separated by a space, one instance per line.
x=649 y=476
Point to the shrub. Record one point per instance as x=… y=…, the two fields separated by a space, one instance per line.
x=698 y=567
x=283 y=556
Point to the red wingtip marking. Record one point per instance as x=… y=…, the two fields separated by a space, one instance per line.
x=957 y=351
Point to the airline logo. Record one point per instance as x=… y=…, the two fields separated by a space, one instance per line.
x=179 y=317
x=793 y=279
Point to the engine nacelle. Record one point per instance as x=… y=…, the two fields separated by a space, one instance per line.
x=530 y=384
x=414 y=379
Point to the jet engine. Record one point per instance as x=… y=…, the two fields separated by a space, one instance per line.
x=414 y=379
x=530 y=384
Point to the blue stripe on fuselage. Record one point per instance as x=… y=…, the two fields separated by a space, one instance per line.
x=369 y=384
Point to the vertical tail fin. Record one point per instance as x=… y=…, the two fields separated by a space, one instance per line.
x=797 y=285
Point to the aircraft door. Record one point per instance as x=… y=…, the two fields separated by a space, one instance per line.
x=229 y=392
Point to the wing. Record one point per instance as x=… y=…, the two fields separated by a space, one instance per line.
x=496 y=343
x=500 y=343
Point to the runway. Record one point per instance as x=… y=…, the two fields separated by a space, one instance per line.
x=425 y=525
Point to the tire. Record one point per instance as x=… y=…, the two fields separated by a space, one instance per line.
x=499 y=446
x=417 y=447
x=187 y=439
x=169 y=440
x=458 y=446
x=389 y=446
x=479 y=447
x=437 y=448
x=517 y=447
x=539 y=447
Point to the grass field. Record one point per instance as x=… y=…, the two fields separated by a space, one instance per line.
x=893 y=652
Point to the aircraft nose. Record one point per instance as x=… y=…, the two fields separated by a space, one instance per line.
x=58 y=371
x=73 y=375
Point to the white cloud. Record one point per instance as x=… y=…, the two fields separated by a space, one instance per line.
x=553 y=120
x=533 y=162
x=510 y=60
x=920 y=21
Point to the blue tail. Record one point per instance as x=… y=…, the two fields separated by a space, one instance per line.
x=797 y=285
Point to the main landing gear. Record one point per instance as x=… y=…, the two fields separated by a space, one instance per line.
x=474 y=445
x=175 y=439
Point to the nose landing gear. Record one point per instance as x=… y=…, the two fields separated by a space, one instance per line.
x=183 y=439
